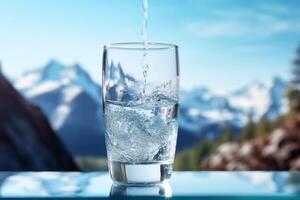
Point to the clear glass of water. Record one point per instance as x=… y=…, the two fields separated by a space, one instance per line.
x=140 y=85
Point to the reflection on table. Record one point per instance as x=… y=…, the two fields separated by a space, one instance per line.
x=155 y=190
x=188 y=184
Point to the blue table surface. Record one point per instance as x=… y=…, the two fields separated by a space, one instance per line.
x=183 y=185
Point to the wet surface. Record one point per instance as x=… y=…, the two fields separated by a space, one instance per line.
x=183 y=185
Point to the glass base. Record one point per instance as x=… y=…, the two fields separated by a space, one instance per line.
x=155 y=190
x=139 y=173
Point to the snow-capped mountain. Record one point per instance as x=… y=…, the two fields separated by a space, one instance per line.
x=203 y=112
x=72 y=102
x=261 y=99
x=54 y=75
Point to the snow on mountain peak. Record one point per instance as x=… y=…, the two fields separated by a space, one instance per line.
x=71 y=92
x=60 y=82
x=253 y=99
x=63 y=110
x=60 y=115
x=261 y=99
x=43 y=88
x=55 y=73
x=256 y=99
x=27 y=81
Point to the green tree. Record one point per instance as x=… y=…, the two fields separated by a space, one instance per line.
x=248 y=131
x=279 y=122
x=183 y=161
x=192 y=159
x=264 y=127
x=201 y=151
x=226 y=135
x=294 y=90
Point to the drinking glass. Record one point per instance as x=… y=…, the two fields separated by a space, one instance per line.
x=140 y=86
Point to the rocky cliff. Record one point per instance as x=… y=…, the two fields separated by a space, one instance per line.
x=278 y=151
x=27 y=141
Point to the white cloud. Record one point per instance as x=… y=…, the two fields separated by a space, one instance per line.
x=274 y=8
x=213 y=29
x=230 y=28
x=260 y=22
x=254 y=48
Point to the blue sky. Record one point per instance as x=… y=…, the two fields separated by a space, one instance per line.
x=223 y=44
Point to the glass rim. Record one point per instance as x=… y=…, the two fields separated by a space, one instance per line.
x=140 y=46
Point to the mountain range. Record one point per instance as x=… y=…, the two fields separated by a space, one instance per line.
x=27 y=140
x=72 y=102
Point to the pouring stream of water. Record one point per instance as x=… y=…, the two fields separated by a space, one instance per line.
x=145 y=66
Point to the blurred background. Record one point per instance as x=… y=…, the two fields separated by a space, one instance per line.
x=240 y=80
